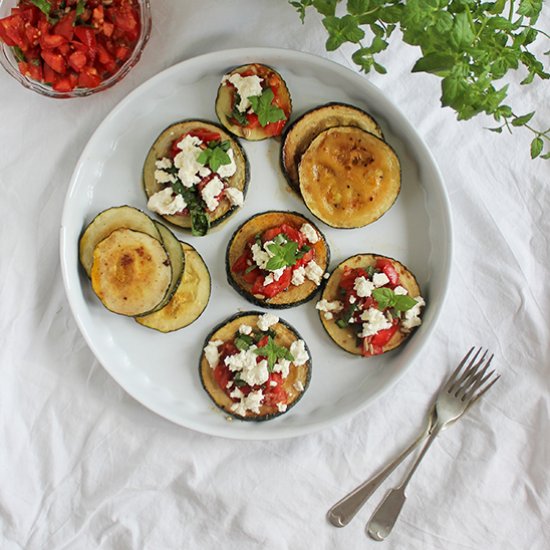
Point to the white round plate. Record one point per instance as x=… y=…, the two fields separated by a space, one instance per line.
x=161 y=370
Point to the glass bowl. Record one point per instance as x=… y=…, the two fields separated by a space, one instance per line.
x=8 y=61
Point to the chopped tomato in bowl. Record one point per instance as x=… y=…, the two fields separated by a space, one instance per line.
x=72 y=48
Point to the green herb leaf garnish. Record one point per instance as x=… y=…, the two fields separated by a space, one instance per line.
x=284 y=255
x=19 y=55
x=386 y=298
x=215 y=156
x=80 y=7
x=200 y=222
x=347 y=314
x=43 y=5
x=243 y=341
x=262 y=106
x=272 y=352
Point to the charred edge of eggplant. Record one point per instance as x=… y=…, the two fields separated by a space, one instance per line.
x=264 y=417
x=265 y=302
x=295 y=186
x=385 y=211
x=342 y=263
x=234 y=143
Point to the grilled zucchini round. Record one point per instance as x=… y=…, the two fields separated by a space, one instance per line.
x=346 y=337
x=131 y=272
x=161 y=148
x=294 y=384
x=256 y=225
x=189 y=300
x=349 y=177
x=301 y=133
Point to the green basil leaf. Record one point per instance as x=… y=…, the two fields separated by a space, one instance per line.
x=536 y=147
x=43 y=5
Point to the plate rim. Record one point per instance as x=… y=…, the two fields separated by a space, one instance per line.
x=291 y=430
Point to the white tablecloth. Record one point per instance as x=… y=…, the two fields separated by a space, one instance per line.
x=82 y=465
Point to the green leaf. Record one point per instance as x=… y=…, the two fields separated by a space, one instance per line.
x=284 y=255
x=522 y=120
x=243 y=341
x=342 y=29
x=272 y=352
x=386 y=298
x=43 y=5
x=530 y=8
x=19 y=55
x=497 y=7
x=347 y=314
x=536 y=147
x=462 y=34
x=80 y=6
x=403 y=302
x=200 y=222
x=215 y=156
x=325 y=7
x=263 y=107
x=546 y=156
x=498 y=129
x=358 y=7
x=434 y=63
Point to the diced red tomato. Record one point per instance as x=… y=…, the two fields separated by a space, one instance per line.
x=306 y=258
x=388 y=268
x=275 y=394
x=87 y=37
x=49 y=74
x=64 y=84
x=222 y=375
x=77 y=60
x=274 y=128
x=263 y=341
x=241 y=263
x=122 y=53
x=273 y=288
x=89 y=78
x=55 y=60
x=65 y=26
x=252 y=121
x=205 y=135
x=291 y=232
x=382 y=337
x=349 y=275
x=108 y=29
x=12 y=31
x=31 y=70
x=51 y=41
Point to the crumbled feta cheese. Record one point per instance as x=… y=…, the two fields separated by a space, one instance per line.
x=326 y=275
x=227 y=170
x=400 y=291
x=363 y=287
x=244 y=360
x=274 y=276
x=163 y=163
x=229 y=384
x=246 y=87
x=245 y=329
x=235 y=196
x=308 y=231
x=374 y=321
x=267 y=320
x=298 y=386
x=257 y=374
x=261 y=255
x=380 y=279
x=412 y=316
x=272 y=383
x=164 y=177
x=298 y=276
x=328 y=315
x=236 y=393
x=299 y=352
x=211 y=352
x=352 y=299
x=314 y=272
x=210 y=192
x=282 y=407
x=165 y=203
x=325 y=305
x=251 y=402
x=282 y=366
x=187 y=161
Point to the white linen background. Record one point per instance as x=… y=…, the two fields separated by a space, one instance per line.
x=82 y=465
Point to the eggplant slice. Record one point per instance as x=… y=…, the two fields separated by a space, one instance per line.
x=257 y=224
x=285 y=334
x=346 y=337
x=131 y=272
x=349 y=177
x=225 y=101
x=303 y=131
x=190 y=299
x=161 y=148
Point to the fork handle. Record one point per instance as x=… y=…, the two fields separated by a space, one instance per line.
x=346 y=508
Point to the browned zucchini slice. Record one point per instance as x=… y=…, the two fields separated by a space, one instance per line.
x=225 y=102
x=131 y=272
x=161 y=148
x=349 y=177
x=302 y=131
x=105 y=223
x=190 y=299
x=346 y=337
x=294 y=384
x=294 y=295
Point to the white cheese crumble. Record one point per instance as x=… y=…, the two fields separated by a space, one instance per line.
x=282 y=407
x=246 y=87
x=227 y=170
x=298 y=386
x=374 y=321
x=244 y=360
x=274 y=276
x=325 y=305
x=251 y=402
x=412 y=316
x=282 y=366
x=210 y=192
x=380 y=279
x=314 y=272
x=328 y=315
x=261 y=255
x=211 y=352
x=299 y=352
x=235 y=196
x=352 y=299
x=163 y=163
x=267 y=320
x=400 y=291
x=164 y=177
x=245 y=329
x=298 y=276
x=363 y=287
x=308 y=231
x=257 y=375
x=165 y=204
x=272 y=383
x=186 y=161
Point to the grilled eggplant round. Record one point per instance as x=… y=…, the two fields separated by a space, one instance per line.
x=247 y=129
x=295 y=384
x=189 y=300
x=161 y=148
x=301 y=133
x=256 y=225
x=131 y=272
x=349 y=177
x=346 y=338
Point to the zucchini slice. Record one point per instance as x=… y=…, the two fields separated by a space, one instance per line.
x=105 y=223
x=346 y=337
x=295 y=384
x=225 y=102
x=349 y=177
x=189 y=300
x=301 y=133
x=131 y=272
x=161 y=148
x=294 y=295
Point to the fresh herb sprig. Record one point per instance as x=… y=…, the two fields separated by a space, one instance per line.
x=215 y=155
x=200 y=222
x=469 y=44
x=386 y=297
x=273 y=352
x=284 y=252
x=263 y=106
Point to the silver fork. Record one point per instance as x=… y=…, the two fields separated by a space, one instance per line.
x=461 y=390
